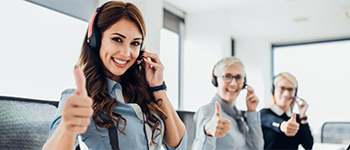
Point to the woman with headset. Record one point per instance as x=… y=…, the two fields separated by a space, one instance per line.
x=120 y=101
x=283 y=129
x=219 y=125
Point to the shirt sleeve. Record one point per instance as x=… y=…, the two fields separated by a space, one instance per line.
x=307 y=141
x=181 y=146
x=271 y=121
x=201 y=118
x=64 y=96
x=255 y=131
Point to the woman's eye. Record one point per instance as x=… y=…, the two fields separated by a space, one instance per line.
x=135 y=43
x=117 y=39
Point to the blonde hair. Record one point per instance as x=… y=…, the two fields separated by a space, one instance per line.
x=278 y=78
x=228 y=61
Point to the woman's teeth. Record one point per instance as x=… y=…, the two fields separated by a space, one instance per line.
x=232 y=90
x=120 y=61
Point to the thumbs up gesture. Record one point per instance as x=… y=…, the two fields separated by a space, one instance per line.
x=77 y=108
x=217 y=126
x=290 y=127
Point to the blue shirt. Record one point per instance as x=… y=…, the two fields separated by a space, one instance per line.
x=234 y=139
x=134 y=129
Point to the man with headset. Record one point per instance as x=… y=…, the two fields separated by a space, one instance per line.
x=219 y=125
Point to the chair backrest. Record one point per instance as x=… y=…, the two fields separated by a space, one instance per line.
x=335 y=132
x=187 y=119
x=25 y=123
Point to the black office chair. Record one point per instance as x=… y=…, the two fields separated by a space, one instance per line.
x=335 y=132
x=25 y=123
x=187 y=119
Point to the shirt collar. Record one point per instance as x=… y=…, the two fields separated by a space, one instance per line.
x=112 y=85
x=277 y=110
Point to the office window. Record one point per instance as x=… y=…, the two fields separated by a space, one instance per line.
x=39 y=49
x=322 y=71
x=170 y=54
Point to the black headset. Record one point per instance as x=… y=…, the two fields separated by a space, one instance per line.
x=215 y=78
x=94 y=36
x=94 y=41
x=273 y=86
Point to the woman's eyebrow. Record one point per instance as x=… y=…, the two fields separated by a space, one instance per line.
x=125 y=36
x=119 y=35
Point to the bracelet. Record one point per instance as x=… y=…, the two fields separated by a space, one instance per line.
x=158 y=88
x=304 y=118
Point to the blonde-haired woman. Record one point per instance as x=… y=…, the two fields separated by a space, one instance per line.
x=283 y=129
x=219 y=124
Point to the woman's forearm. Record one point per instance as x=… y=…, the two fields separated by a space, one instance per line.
x=60 y=140
x=175 y=128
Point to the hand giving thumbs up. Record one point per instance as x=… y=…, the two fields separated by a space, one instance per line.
x=217 y=126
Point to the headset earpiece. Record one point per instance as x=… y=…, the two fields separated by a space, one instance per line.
x=214 y=78
x=273 y=86
x=94 y=36
x=245 y=82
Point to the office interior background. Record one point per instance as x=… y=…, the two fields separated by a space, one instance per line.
x=41 y=43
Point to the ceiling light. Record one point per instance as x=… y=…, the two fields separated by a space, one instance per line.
x=303 y=19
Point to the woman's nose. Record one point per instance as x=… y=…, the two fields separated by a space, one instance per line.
x=233 y=81
x=125 y=50
x=286 y=93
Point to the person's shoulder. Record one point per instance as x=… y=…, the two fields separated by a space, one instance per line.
x=209 y=105
x=68 y=91
x=208 y=108
x=265 y=110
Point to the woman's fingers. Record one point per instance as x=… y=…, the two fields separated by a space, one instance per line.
x=76 y=114
x=154 y=57
x=154 y=65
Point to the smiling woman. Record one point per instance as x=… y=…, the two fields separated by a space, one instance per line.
x=118 y=103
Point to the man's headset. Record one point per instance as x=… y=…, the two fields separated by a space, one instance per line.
x=273 y=86
x=215 y=81
x=94 y=36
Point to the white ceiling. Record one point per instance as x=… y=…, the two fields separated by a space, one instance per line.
x=278 y=21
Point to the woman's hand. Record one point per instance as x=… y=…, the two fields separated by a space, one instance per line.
x=290 y=127
x=77 y=108
x=154 y=69
x=252 y=100
x=302 y=108
x=217 y=126
x=75 y=117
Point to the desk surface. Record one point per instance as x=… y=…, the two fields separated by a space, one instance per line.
x=327 y=146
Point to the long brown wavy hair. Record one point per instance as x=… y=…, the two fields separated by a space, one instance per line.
x=96 y=82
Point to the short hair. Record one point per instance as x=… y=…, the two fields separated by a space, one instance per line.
x=228 y=61
x=285 y=75
x=278 y=78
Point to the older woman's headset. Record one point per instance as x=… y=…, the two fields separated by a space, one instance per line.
x=215 y=82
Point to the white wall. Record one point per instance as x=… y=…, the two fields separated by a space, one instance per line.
x=39 y=48
x=207 y=41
